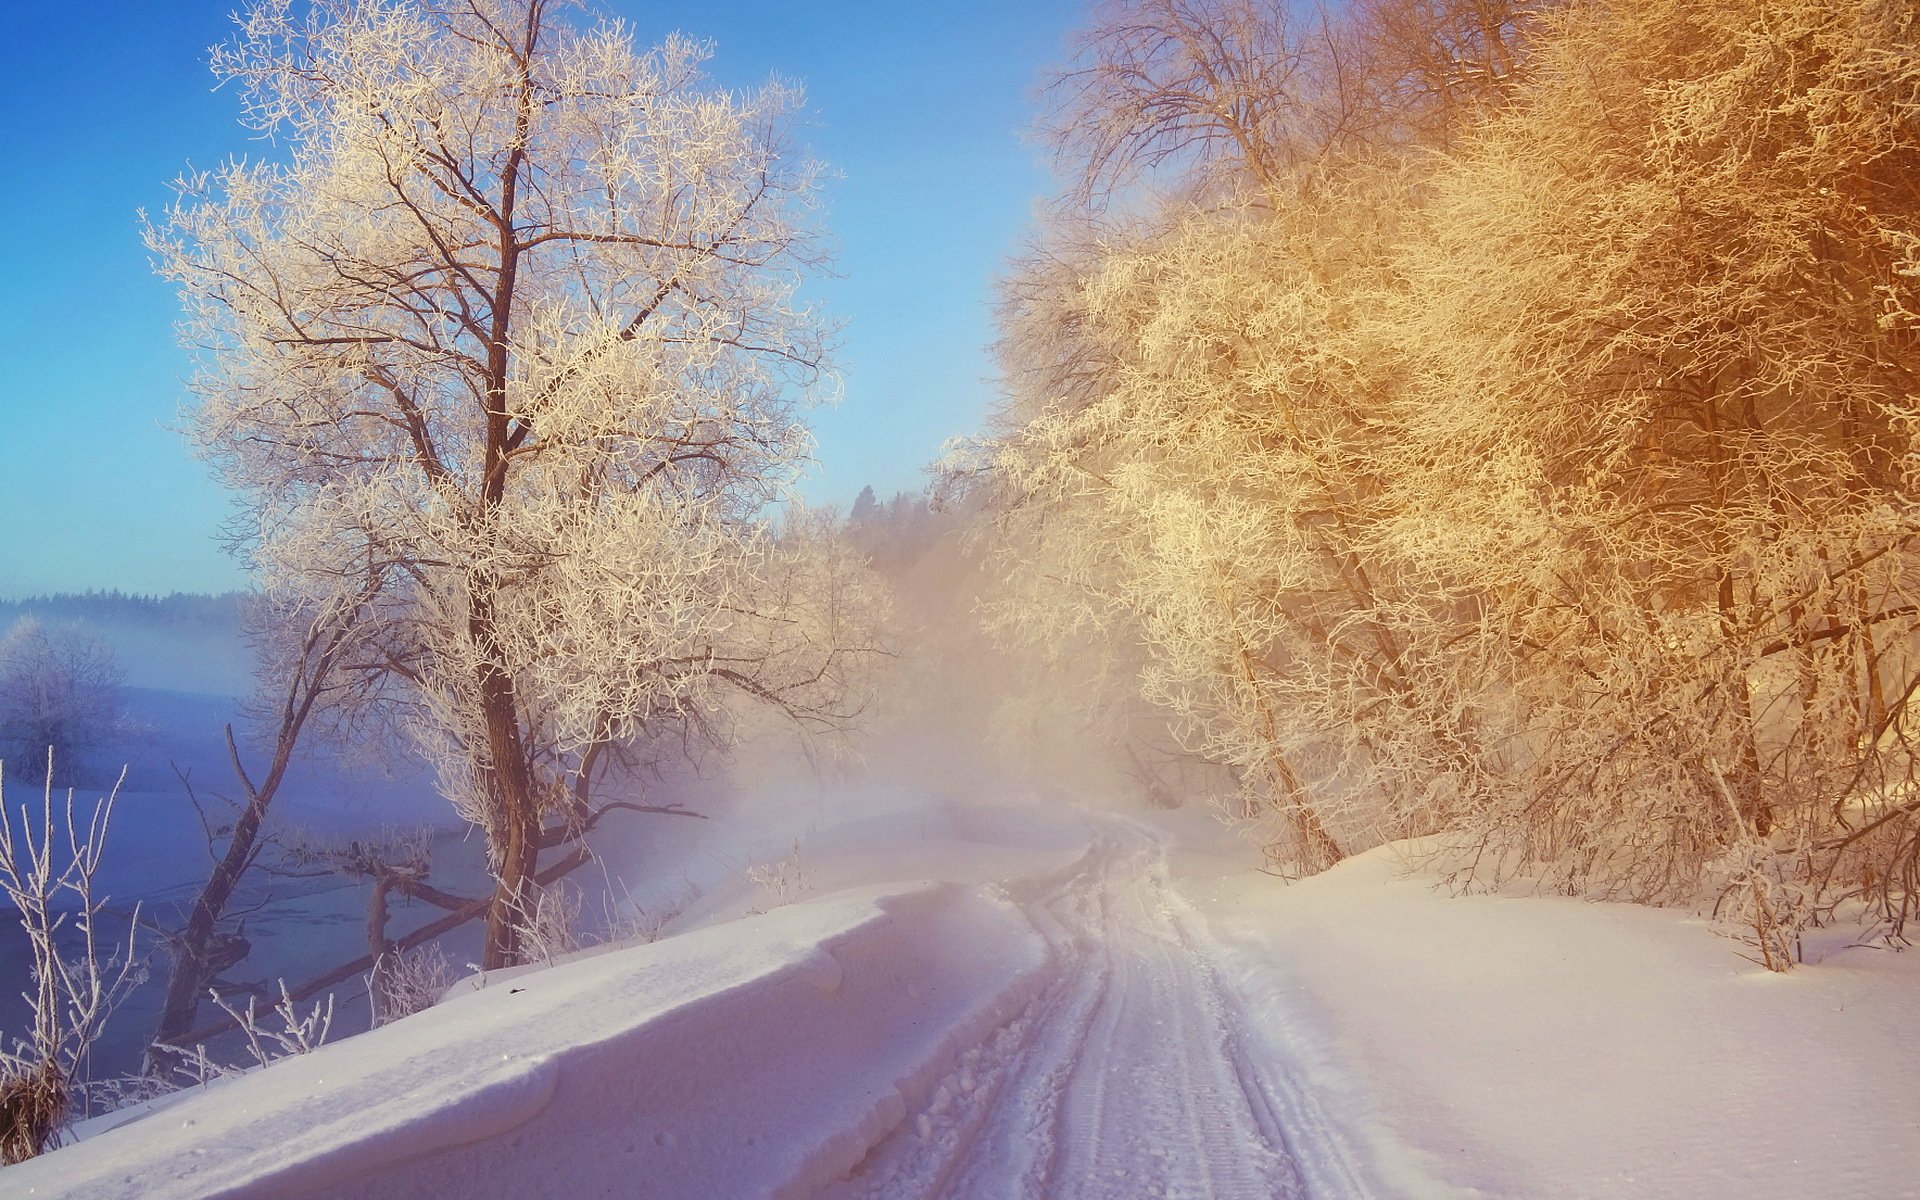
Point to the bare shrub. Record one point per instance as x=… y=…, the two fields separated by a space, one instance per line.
x=49 y=879
x=784 y=880
x=115 y=1092
x=629 y=921
x=550 y=928
x=291 y=1032
x=408 y=981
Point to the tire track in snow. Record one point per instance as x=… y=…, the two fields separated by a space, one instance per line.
x=1125 y=1078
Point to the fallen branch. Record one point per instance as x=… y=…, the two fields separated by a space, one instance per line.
x=471 y=911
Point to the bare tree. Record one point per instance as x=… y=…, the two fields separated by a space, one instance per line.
x=1215 y=96
x=1435 y=67
x=1170 y=87
x=306 y=668
x=514 y=329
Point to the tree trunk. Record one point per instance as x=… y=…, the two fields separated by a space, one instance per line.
x=1287 y=792
x=1749 y=794
x=516 y=808
x=199 y=952
x=378 y=947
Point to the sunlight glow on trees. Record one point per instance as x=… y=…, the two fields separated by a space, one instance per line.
x=1524 y=454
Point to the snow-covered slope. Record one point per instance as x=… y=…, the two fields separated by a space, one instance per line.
x=1102 y=1006
x=1546 y=1047
x=756 y=1058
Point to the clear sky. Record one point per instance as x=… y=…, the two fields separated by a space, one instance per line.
x=919 y=104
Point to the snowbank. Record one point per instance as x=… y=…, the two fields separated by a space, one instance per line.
x=1420 y=1045
x=1544 y=1047
x=760 y=1057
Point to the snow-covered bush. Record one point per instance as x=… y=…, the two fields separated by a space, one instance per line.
x=784 y=880
x=1764 y=902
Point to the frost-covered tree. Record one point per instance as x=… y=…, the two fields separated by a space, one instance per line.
x=1661 y=331
x=512 y=329
x=1550 y=482
x=1186 y=470
x=1183 y=467
x=60 y=695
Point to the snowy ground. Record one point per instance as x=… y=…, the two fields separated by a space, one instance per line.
x=1528 y=1046
x=1128 y=1074
x=1002 y=1000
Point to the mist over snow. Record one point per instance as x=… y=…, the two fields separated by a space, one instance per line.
x=177 y=643
x=1405 y=693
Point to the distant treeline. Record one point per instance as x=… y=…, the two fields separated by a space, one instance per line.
x=176 y=609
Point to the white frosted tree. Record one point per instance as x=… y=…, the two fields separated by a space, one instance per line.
x=513 y=330
x=59 y=696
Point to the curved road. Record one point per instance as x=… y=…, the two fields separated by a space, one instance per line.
x=1124 y=1078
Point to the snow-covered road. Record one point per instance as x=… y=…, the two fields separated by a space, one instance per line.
x=1127 y=1076
x=973 y=1001
x=1047 y=1020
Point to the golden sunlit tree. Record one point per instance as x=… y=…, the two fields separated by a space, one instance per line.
x=1501 y=422
x=1194 y=497
x=1662 y=327
x=1195 y=391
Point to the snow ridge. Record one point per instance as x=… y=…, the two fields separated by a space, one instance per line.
x=752 y=1059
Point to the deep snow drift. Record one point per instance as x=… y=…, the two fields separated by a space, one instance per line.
x=1088 y=1004
x=1530 y=1046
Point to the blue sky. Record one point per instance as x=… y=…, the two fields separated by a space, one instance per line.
x=921 y=107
